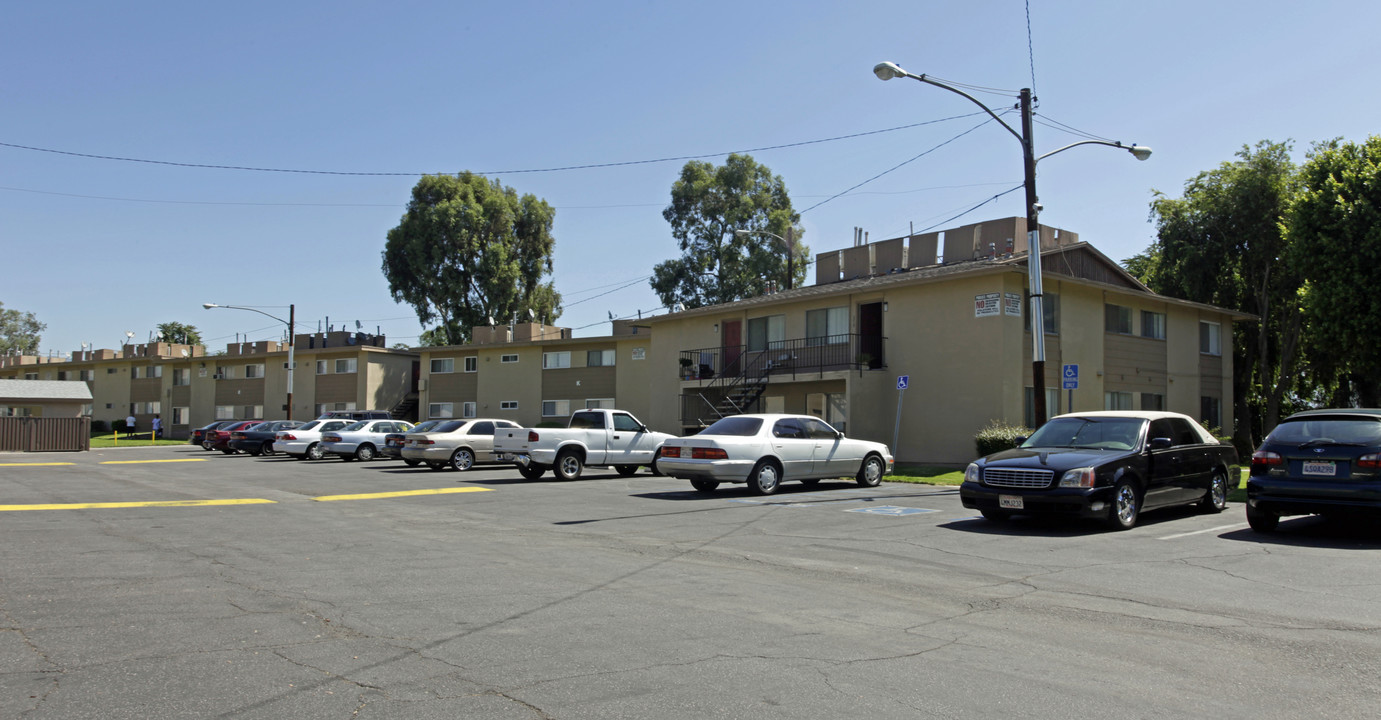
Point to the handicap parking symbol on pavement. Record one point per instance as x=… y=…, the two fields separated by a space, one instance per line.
x=893 y=510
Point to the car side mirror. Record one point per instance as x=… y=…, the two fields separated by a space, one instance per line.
x=1161 y=443
x=838 y=435
x=1020 y=439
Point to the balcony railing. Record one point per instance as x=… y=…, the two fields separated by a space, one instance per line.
x=850 y=351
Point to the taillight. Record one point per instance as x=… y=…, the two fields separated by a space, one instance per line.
x=671 y=452
x=709 y=454
x=1371 y=462
x=1263 y=459
x=424 y=442
x=532 y=436
x=287 y=436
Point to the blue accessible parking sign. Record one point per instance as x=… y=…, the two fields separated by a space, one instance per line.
x=1070 y=377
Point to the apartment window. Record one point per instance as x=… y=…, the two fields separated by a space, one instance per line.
x=1052 y=404
x=766 y=333
x=133 y=373
x=1152 y=401
x=1211 y=411
x=1117 y=319
x=252 y=412
x=345 y=365
x=1210 y=338
x=321 y=367
x=1117 y=401
x=443 y=365
x=508 y=358
x=556 y=360
x=110 y=371
x=441 y=410
x=254 y=371
x=225 y=412
x=556 y=408
x=182 y=416
x=599 y=358
x=508 y=405
x=829 y=326
x=1152 y=325
x=472 y=364
x=467 y=409
x=145 y=408
x=225 y=373
x=182 y=376
x=598 y=403
x=1050 y=308
x=30 y=376
x=62 y=374
x=156 y=371
x=88 y=375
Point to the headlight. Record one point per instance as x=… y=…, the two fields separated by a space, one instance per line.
x=971 y=473
x=1077 y=478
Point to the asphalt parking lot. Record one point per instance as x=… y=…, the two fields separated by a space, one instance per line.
x=173 y=583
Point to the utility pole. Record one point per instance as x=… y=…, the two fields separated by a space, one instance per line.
x=1033 y=262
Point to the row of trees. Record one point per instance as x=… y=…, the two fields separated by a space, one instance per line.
x=1298 y=246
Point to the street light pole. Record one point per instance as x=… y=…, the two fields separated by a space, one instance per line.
x=887 y=71
x=292 y=340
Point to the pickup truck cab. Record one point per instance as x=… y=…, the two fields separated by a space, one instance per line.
x=591 y=438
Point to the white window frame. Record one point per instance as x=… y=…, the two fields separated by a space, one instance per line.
x=602 y=358
x=1155 y=328
x=1117 y=319
x=182 y=415
x=558 y=360
x=322 y=368
x=468 y=409
x=1210 y=338
x=350 y=364
x=836 y=326
x=225 y=412
x=1117 y=400
x=599 y=403
x=559 y=408
x=447 y=365
x=472 y=363
x=508 y=404
x=508 y=358
x=255 y=370
x=133 y=373
x=441 y=410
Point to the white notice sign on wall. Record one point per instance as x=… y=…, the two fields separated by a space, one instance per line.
x=987 y=305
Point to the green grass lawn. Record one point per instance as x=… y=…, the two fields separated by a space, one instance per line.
x=109 y=440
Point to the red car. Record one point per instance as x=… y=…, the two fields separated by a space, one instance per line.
x=219 y=438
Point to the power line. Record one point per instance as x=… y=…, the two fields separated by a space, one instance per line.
x=588 y=166
x=975 y=207
x=1030 y=47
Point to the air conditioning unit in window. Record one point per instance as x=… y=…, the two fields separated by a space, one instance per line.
x=218 y=376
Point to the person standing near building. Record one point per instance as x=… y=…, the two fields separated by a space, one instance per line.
x=129 y=425
x=157 y=428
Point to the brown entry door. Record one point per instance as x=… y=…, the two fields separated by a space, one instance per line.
x=732 y=338
x=870 y=335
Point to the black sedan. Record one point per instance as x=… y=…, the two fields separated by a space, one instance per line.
x=1325 y=462
x=258 y=439
x=1104 y=465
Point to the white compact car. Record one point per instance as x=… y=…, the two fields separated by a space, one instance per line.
x=361 y=440
x=304 y=441
x=457 y=443
x=764 y=450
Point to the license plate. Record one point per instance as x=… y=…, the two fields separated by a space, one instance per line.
x=1321 y=468
x=1010 y=502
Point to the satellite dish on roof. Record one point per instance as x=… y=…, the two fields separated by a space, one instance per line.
x=531 y=314
x=186 y=352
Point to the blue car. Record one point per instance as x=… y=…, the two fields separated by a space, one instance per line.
x=1318 y=462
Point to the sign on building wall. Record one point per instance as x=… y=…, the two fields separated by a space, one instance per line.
x=639 y=353
x=1012 y=306
x=987 y=305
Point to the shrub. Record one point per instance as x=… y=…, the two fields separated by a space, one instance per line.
x=98 y=426
x=998 y=436
x=117 y=425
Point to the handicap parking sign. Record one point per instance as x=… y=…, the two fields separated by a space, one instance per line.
x=903 y=381
x=1070 y=377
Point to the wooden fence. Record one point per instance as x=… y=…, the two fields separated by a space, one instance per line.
x=37 y=434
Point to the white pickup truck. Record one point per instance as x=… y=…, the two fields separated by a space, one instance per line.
x=594 y=438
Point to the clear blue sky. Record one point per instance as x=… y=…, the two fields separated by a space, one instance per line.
x=501 y=88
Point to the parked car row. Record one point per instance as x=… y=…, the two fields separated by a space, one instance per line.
x=1109 y=466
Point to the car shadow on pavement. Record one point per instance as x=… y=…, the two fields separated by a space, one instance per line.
x=1054 y=526
x=1316 y=531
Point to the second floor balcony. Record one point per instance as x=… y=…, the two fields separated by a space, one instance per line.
x=784 y=358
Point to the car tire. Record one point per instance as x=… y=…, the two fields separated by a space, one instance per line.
x=652 y=467
x=704 y=486
x=995 y=515
x=568 y=465
x=314 y=452
x=626 y=470
x=412 y=463
x=532 y=472
x=364 y=453
x=1262 y=521
x=463 y=459
x=1216 y=497
x=205 y=446
x=870 y=473
x=266 y=448
x=1125 y=506
x=765 y=478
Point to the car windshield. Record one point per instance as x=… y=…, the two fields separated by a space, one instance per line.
x=1324 y=430
x=1105 y=433
x=355 y=426
x=735 y=425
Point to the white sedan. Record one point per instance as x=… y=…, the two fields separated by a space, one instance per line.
x=458 y=443
x=764 y=450
x=304 y=441
x=361 y=440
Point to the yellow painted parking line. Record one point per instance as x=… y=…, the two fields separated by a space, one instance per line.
x=33 y=464
x=401 y=493
x=138 y=462
x=151 y=503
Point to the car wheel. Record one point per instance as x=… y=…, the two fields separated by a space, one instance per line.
x=205 y=445
x=568 y=465
x=314 y=452
x=996 y=515
x=704 y=486
x=626 y=470
x=462 y=459
x=267 y=447
x=412 y=463
x=365 y=452
x=1216 y=498
x=532 y=472
x=870 y=474
x=1261 y=520
x=1125 y=506
x=765 y=478
x=653 y=466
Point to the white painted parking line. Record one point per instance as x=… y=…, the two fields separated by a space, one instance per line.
x=1200 y=532
x=893 y=510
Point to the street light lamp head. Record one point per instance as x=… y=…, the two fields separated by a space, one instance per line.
x=1140 y=152
x=208 y=306
x=888 y=70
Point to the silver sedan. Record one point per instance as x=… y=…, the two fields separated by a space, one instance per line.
x=764 y=450
x=457 y=443
x=362 y=440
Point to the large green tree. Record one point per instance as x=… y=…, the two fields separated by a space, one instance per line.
x=717 y=265
x=20 y=332
x=1223 y=243
x=1335 y=228
x=469 y=249
x=178 y=333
